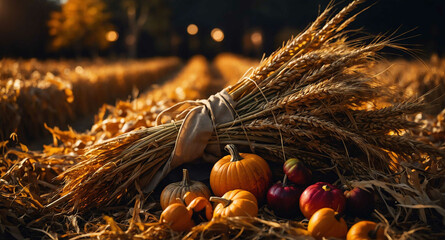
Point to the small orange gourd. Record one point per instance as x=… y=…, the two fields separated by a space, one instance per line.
x=235 y=203
x=244 y=171
x=202 y=209
x=178 y=217
x=189 y=197
x=176 y=190
x=327 y=223
x=366 y=230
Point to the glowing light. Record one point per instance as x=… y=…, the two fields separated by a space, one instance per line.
x=217 y=35
x=192 y=29
x=256 y=38
x=79 y=69
x=112 y=36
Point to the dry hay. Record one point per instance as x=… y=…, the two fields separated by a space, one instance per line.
x=232 y=66
x=36 y=92
x=416 y=78
x=312 y=99
x=192 y=82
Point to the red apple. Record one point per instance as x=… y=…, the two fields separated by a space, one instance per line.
x=297 y=172
x=283 y=198
x=321 y=195
x=359 y=202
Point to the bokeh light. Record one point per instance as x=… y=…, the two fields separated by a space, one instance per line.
x=217 y=35
x=112 y=36
x=256 y=38
x=192 y=29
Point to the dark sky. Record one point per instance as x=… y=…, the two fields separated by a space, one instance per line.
x=422 y=21
x=23 y=31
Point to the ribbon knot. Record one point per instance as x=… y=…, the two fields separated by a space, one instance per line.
x=195 y=132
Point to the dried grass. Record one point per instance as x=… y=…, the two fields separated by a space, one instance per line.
x=417 y=78
x=193 y=81
x=33 y=93
x=232 y=66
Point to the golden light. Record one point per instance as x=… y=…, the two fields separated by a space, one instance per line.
x=192 y=29
x=112 y=36
x=256 y=38
x=217 y=34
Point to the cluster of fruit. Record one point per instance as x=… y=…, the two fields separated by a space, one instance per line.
x=241 y=181
x=323 y=204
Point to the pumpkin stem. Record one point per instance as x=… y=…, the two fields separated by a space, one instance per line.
x=373 y=233
x=326 y=188
x=338 y=216
x=225 y=202
x=284 y=181
x=233 y=152
x=185 y=178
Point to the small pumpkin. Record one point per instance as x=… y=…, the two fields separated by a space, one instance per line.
x=176 y=190
x=202 y=209
x=189 y=197
x=235 y=203
x=366 y=230
x=244 y=171
x=326 y=223
x=321 y=195
x=178 y=217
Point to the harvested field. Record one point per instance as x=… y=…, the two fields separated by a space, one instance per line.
x=58 y=93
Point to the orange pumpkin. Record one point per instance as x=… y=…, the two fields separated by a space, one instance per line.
x=189 y=197
x=178 y=217
x=235 y=203
x=327 y=223
x=176 y=190
x=244 y=171
x=366 y=230
x=202 y=209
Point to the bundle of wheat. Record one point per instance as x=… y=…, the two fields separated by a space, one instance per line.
x=312 y=99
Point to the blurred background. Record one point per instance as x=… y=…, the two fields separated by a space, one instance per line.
x=144 y=28
x=63 y=61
